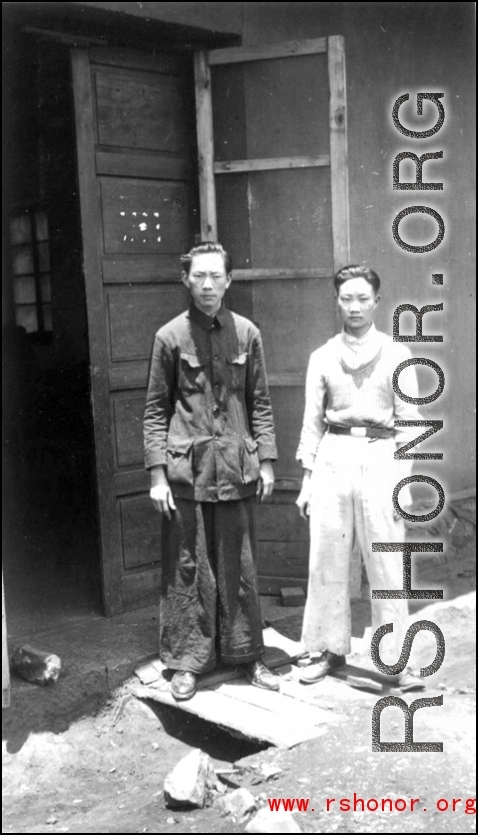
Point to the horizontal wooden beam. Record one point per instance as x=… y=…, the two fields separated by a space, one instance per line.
x=284 y=49
x=238 y=166
x=274 y=273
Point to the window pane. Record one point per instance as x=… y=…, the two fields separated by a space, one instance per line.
x=20 y=230
x=45 y=288
x=26 y=316
x=44 y=257
x=41 y=224
x=23 y=261
x=24 y=290
x=47 y=317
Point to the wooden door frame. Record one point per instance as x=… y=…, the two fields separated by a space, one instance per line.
x=334 y=46
x=96 y=315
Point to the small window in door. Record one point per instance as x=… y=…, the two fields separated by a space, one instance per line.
x=30 y=264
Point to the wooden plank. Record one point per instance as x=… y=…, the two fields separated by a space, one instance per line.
x=250 y=721
x=270 y=584
x=153 y=166
x=290 y=205
x=141 y=532
x=141 y=589
x=170 y=63
x=127 y=423
x=241 y=165
x=134 y=269
x=281 y=705
x=338 y=151
x=272 y=274
x=144 y=216
x=134 y=316
x=91 y=224
x=280 y=121
x=284 y=525
x=290 y=379
x=140 y=110
x=288 y=560
x=283 y=49
x=134 y=481
x=133 y=375
x=204 y=129
x=233 y=225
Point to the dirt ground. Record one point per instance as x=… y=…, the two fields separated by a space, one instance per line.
x=106 y=773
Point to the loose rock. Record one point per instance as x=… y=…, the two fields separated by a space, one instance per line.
x=267 y=821
x=240 y=804
x=187 y=784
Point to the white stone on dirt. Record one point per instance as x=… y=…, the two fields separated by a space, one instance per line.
x=267 y=821
x=187 y=784
x=240 y=804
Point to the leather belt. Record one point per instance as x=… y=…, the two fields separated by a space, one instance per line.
x=361 y=431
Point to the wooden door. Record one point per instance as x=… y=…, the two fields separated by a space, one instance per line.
x=273 y=190
x=135 y=130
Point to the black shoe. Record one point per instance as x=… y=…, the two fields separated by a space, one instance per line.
x=183 y=685
x=260 y=676
x=326 y=663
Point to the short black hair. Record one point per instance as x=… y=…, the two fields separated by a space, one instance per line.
x=203 y=248
x=357 y=271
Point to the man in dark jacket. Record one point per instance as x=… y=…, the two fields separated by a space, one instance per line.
x=209 y=443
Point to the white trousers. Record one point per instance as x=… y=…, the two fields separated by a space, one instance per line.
x=351 y=491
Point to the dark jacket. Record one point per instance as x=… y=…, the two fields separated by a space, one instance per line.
x=208 y=414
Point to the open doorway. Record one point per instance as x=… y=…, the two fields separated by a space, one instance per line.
x=51 y=551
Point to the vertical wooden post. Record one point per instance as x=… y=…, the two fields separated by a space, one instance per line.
x=207 y=192
x=338 y=150
x=5 y=665
x=91 y=227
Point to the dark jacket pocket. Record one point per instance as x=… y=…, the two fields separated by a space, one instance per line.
x=192 y=372
x=237 y=366
x=251 y=466
x=180 y=461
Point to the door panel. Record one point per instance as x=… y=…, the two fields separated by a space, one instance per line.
x=135 y=129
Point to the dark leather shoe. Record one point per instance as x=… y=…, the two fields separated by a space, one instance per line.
x=183 y=685
x=326 y=663
x=260 y=676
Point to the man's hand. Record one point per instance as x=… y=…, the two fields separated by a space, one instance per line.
x=265 y=484
x=161 y=492
x=304 y=495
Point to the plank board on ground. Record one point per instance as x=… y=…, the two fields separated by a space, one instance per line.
x=250 y=721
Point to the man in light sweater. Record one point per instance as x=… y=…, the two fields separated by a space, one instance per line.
x=347 y=450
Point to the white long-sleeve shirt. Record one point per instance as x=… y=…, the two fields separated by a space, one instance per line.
x=349 y=383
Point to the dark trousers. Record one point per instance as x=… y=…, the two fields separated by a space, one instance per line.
x=210 y=608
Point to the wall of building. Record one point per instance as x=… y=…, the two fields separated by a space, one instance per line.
x=392 y=49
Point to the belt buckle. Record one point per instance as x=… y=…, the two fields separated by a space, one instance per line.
x=358 y=431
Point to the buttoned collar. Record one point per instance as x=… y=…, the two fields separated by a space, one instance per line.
x=354 y=342
x=205 y=321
